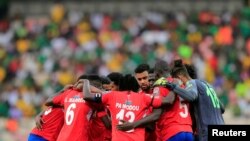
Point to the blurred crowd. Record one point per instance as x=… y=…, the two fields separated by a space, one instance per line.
x=39 y=55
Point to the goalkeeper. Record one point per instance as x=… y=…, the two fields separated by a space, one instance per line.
x=208 y=109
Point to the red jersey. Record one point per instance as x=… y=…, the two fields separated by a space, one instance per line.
x=97 y=129
x=150 y=108
x=175 y=118
x=53 y=122
x=149 y=136
x=76 y=114
x=128 y=106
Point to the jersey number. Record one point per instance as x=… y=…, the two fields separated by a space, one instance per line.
x=183 y=113
x=212 y=94
x=70 y=113
x=130 y=115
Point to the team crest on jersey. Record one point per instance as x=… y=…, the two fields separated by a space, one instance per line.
x=128 y=102
x=76 y=96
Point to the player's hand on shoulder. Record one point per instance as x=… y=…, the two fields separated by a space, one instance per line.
x=170 y=86
x=160 y=82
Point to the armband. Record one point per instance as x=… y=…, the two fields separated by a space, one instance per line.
x=98 y=97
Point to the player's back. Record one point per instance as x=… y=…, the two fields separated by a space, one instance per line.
x=53 y=121
x=175 y=117
x=128 y=106
x=97 y=129
x=208 y=100
x=77 y=113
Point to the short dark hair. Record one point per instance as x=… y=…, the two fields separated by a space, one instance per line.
x=93 y=78
x=129 y=83
x=141 y=68
x=115 y=77
x=105 y=80
x=191 y=71
x=84 y=76
x=151 y=70
x=179 y=68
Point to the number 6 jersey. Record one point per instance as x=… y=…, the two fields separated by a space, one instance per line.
x=76 y=116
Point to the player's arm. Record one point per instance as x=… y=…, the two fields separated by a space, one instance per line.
x=39 y=121
x=169 y=99
x=155 y=101
x=154 y=116
x=88 y=95
x=190 y=93
x=49 y=101
x=106 y=120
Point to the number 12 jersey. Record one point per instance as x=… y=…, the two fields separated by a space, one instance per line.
x=128 y=106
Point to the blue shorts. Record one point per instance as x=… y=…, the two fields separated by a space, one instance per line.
x=182 y=136
x=33 y=137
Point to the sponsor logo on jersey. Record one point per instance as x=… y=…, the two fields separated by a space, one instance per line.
x=128 y=102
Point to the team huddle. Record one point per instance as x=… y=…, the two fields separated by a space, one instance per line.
x=161 y=103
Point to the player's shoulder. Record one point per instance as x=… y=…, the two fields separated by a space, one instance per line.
x=107 y=92
x=70 y=91
x=191 y=83
x=170 y=79
x=159 y=89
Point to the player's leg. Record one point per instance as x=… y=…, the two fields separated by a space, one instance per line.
x=33 y=137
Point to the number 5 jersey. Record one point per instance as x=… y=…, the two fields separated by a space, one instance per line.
x=175 y=118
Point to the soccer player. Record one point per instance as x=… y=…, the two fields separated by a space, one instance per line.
x=174 y=123
x=106 y=83
x=207 y=107
x=142 y=77
x=76 y=111
x=145 y=82
x=48 y=123
x=98 y=131
x=115 y=78
x=151 y=78
x=125 y=105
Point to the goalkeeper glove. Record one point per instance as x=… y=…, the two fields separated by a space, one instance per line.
x=160 y=82
x=170 y=86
